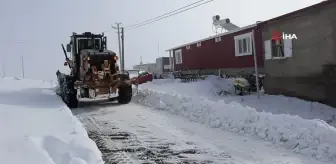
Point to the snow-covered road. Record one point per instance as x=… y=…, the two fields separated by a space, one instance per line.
x=136 y=134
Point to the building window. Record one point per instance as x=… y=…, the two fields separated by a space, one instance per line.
x=178 y=56
x=218 y=39
x=188 y=47
x=166 y=66
x=278 y=49
x=243 y=44
x=199 y=44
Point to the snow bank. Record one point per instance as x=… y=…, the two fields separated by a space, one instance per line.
x=38 y=128
x=314 y=137
x=212 y=86
x=215 y=88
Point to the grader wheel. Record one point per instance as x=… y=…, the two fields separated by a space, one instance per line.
x=125 y=94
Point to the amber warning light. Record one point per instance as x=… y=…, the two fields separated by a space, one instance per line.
x=277 y=35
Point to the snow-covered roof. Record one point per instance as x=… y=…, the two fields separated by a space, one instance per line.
x=212 y=37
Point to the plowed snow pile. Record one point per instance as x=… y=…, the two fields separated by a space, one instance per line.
x=209 y=88
x=197 y=102
x=37 y=128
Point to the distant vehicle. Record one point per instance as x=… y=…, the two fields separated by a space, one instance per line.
x=143 y=77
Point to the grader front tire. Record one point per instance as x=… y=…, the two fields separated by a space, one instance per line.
x=69 y=94
x=125 y=94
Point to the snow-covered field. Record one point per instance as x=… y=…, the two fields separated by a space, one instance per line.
x=37 y=128
x=287 y=122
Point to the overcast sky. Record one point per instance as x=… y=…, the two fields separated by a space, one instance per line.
x=35 y=29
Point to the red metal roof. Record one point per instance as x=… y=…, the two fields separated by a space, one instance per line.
x=212 y=37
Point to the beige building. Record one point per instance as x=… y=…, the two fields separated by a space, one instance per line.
x=304 y=67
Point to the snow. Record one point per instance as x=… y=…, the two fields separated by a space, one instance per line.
x=207 y=88
x=172 y=139
x=287 y=122
x=276 y=104
x=38 y=128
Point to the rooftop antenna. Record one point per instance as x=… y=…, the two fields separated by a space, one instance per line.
x=223 y=24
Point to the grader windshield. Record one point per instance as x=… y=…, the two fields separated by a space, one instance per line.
x=88 y=43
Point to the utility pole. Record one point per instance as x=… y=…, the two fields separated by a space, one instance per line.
x=255 y=64
x=22 y=65
x=122 y=49
x=119 y=44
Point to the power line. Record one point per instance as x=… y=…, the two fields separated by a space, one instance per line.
x=164 y=14
x=169 y=15
x=149 y=21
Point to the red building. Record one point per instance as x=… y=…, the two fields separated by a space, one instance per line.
x=230 y=52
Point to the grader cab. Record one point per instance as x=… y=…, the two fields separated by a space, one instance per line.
x=94 y=71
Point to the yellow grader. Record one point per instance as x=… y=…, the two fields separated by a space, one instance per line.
x=94 y=71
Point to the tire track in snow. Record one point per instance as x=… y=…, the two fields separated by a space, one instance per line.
x=105 y=140
x=121 y=146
